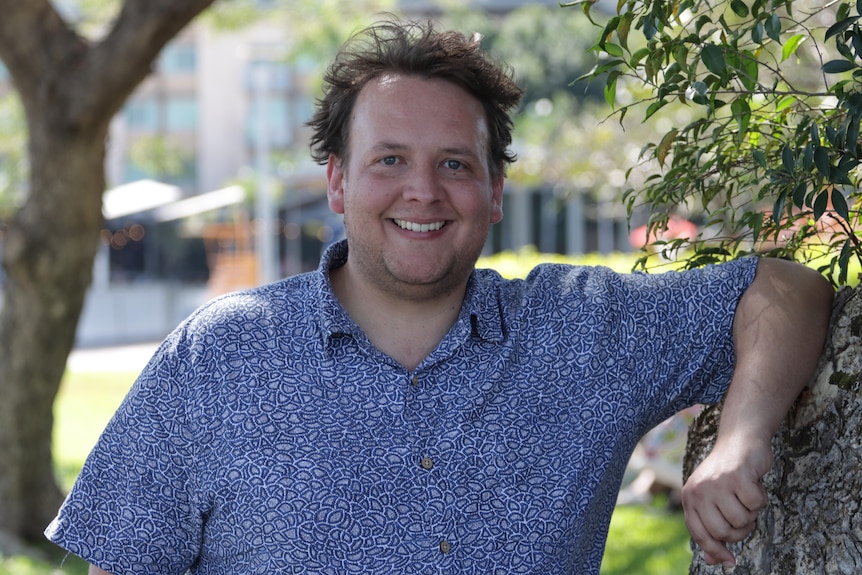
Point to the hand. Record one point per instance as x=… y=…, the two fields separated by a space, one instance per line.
x=724 y=494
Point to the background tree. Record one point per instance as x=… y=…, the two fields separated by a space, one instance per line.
x=771 y=165
x=69 y=89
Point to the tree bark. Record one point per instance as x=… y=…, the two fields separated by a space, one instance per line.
x=70 y=89
x=813 y=523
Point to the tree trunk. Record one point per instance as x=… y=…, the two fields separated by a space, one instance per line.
x=50 y=247
x=813 y=523
x=70 y=90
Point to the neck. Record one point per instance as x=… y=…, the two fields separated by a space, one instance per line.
x=406 y=329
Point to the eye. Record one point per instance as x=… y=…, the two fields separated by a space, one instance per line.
x=453 y=164
x=389 y=160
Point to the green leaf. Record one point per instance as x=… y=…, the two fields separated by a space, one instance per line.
x=654 y=107
x=701 y=22
x=778 y=207
x=792 y=44
x=611 y=88
x=624 y=27
x=757 y=33
x=808 y=157
x=650 y=27
x=760 y=159
x=851 y=142
x=839 y=27
x=844 y=260
x=820 y=204
x=785 y=102
x=773 y=27
x=665 y=145
x=856 y=39
x=749 y=71
x=839 y=204
x=821 y=161
x=680 y=56
x=638 y=56
x=713 y=59
x=838 y=66
x=599 y=70
x=799 y=194
x=739 y=8
x=614 y=50
x=742 y=114
x=787 y=159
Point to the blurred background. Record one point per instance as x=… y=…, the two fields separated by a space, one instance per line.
x=211 y=187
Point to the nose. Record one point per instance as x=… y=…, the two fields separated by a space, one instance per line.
x=424 y=184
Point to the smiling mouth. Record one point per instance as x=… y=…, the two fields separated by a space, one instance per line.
x=415 y=227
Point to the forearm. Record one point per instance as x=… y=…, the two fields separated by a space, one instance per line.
x=779 y=330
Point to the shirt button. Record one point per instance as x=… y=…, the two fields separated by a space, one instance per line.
x=415 y=380
x=445 y=547
x=426 y=463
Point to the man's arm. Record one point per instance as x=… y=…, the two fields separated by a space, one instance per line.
x=779 y=330
x=96 y=571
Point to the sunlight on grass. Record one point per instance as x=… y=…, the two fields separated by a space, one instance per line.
x=84 y=406
x=646 y=540
x=59 y=564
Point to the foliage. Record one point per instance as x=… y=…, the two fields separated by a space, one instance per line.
x=159 y=157
x=771 y=161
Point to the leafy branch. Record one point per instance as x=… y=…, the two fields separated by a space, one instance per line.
x=771 y=164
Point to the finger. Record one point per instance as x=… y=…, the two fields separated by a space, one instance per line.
x=735 y=522
x=754 y=497
x=725 y=520
x=715 y=551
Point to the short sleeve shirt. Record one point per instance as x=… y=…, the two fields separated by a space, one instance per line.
x=268 y=435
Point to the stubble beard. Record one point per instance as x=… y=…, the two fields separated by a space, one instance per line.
x=371 y=264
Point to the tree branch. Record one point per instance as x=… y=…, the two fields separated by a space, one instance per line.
x=116 y=65
x=34 y=40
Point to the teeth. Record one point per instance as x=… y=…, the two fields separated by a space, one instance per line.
x=414 y=227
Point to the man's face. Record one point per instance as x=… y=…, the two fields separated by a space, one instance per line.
x=416 y=191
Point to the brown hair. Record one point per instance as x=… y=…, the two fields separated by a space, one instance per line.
x=413 y=48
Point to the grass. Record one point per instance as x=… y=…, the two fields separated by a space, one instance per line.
x=643 y=540
x=647 y=540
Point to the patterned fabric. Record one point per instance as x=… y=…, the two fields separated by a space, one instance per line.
x=267 y=435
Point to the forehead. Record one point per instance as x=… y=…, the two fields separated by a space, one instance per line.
x=419 y=110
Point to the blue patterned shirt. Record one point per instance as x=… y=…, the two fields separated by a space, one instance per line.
x=268 y=435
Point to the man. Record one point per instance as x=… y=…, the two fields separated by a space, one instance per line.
x=398 y=411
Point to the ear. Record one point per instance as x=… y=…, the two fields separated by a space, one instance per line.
x=335 y=184
x=497 y=199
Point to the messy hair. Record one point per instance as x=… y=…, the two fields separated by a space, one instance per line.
x=413 y=49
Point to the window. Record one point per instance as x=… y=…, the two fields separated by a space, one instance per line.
x=178 y=58
x=181 y=114
x=142 y=115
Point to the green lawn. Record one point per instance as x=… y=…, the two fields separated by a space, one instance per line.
x=644 y=540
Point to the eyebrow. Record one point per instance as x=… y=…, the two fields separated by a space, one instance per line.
x=395 y=147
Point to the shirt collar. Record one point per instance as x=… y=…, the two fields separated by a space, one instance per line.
x=481 y=313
